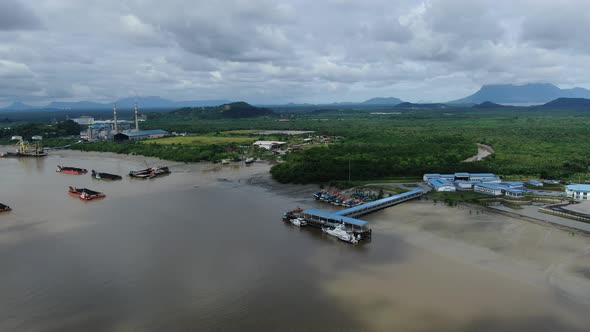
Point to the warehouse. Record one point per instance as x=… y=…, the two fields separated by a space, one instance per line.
x=488 y=189
x=441 y=185
x=140 y=134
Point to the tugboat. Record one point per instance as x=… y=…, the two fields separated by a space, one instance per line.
x=4 y=208
x=105 y=176
x=85 y=194
x=150 y=173
x=71 y=170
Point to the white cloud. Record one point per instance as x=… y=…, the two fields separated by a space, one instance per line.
x=278 y=51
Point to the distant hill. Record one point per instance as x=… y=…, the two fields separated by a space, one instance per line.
x=521 y=94
x=567 y=103
x=383 y=101
x=123 y=103
x=488 y=104
x=18 y=106
x=78 y=105
x=232 y=110
x=421 y=106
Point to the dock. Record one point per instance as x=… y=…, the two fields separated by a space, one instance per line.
x=319 y=218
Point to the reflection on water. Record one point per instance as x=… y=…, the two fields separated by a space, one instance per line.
x=190 y=252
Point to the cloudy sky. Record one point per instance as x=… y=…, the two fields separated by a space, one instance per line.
x=265 y=51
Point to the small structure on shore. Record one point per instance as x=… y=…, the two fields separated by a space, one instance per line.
x=578 y=191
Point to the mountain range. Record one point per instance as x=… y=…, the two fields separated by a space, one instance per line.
x=143 y=103
x=533 y=93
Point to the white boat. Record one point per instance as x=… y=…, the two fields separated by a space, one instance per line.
x=225 y=161
x=341 y=233
x=299 y=221
x=249 y=160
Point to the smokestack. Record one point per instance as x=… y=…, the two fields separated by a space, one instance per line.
x=115 y=117
x=136 y=122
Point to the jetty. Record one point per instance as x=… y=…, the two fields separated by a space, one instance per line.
x=348 y=217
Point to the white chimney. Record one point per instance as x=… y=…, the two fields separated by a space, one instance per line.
x=136 y=122
x=115 y=116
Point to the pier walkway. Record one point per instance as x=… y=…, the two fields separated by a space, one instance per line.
x=318 y=218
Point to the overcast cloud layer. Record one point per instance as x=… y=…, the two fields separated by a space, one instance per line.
x=266 y=51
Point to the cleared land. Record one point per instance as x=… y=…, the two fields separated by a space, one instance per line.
x=201 y=140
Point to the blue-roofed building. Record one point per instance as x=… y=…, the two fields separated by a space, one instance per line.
x=488 y=189
x=462 y=176
x=512 y=184
x=441 y=184
x=490 y=180
x=429 y=176
x=514 y=193
x=481 y=176
x=578 y=191
x=536 y=183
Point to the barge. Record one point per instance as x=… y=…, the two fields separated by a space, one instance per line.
x=85 y=194
x=150 y=173
x=4 y=208
x=105 y=176
x=71 y=170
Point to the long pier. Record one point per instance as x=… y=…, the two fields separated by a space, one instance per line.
x=318 y=218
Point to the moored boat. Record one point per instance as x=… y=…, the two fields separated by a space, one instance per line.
x=248 y=161
x=298 y=221
x=287 y=216
x=150 y=173
x=85 y=194
x=71 y=170
x=4 y=208
x=341 y=233
x=105 y=176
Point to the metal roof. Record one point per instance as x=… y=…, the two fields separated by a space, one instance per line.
x=486 y=175
x=515 y=190
x=489 y=186
x=335 y=217
x=461 y=175
x=379 y=201
x=578 y=187
x=145 y=132
x=440 y=183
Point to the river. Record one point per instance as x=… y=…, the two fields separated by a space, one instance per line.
x=204 y=249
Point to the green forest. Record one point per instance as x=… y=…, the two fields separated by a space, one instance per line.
x=385 y=145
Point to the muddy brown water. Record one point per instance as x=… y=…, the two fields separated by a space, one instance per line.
x=204 y=249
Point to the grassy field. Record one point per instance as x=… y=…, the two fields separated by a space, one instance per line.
x=201 y=140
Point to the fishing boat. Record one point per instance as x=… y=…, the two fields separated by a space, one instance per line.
x=150 y=173
x=4 y=208
x=105 y=176
x=71 y=170
x=248 y=161
x=85 y=194
x=225 y=161
x=287 y=216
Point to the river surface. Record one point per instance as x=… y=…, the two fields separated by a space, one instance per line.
x=204 y=249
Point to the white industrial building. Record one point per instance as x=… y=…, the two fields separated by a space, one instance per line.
x=488 y=189
x=578 y=191
x=268 y=145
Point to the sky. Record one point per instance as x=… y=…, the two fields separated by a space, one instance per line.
x=262 y=51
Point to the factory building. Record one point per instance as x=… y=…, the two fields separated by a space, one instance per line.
x=488 y=189
x=140 y=134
